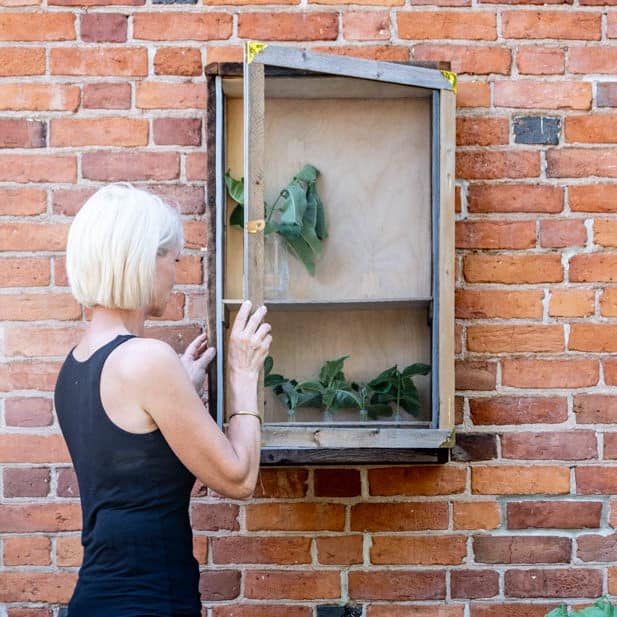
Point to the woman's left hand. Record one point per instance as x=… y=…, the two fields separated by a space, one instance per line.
x=196 y=359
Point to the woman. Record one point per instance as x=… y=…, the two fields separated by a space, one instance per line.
x=131 y=413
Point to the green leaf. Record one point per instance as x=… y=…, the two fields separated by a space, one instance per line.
x=416 y=369
x=331 y=370
x=311 y=386
x=591 y=611
x=307 y=174
x=310 y=237
x=294 y=205
x=378 y=410
x=320 y=214
x=235 y=188
x=273 y=380
x=302 y=251
x=237 y=217
x=385 y=380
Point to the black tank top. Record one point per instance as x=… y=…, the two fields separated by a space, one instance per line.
x=138 y=556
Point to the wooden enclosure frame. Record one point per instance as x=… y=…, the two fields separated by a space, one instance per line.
x=305 y=443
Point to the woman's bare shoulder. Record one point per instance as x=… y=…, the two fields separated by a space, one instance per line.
x=143 y=356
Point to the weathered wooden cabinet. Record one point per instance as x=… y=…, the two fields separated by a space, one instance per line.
x=382 y=136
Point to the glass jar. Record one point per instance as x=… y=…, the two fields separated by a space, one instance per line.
x=276 y=267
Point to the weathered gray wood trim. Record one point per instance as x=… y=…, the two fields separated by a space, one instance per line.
x=289 y=57
x=346 y=456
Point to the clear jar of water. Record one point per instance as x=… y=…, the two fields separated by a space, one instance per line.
x=276 y=267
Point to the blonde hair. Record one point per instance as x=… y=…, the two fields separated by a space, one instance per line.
x=113 y=244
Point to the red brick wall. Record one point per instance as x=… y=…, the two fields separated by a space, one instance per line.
x=523 y=515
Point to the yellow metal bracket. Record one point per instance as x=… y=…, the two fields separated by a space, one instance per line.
x=451 y=77
x=252 y=48
x=254 y=226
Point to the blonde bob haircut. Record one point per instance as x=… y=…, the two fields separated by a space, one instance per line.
x=113 y=244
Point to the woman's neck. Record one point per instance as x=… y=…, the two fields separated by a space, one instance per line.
x=116 y=321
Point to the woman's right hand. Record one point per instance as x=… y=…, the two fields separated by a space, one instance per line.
x=249 y=341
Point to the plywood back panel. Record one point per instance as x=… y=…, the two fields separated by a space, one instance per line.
x=374 y=159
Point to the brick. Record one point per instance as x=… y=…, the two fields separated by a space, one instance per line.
x=546 y=583
x=178 y=26
x=608 y=302
x=473 y=94
x=592 y=198
x=337 y=483
x=196 y=166
x=29 y=612
x=610 y=446
x=304 y=26
x=409 y=516
x=571 y=25
x=594 y=547
x=257 y=610
x=189 y=270
x=612 y=24
x=528 y=94
x=418 y=480
x=571 y=303
x=536 y=60
x=553 y=514
x=595 y=409
x=86 y=3
x=19 y=62
x=340 y=550
x=184 y=61
x=593 y=337
x=106 y=62
x=595 y=60
x=28 y=412
x=29 y=375
x=25 y=518
x=610 y=371
x=22 y=133
x=388 y=53
x=293 y=585
x=472 y=25
x=474 y=583
x=33 y=236
x=41 y=26
x=38 y=97
x=103 y=27
x=501 y=410
x=553 y=445
x=593 y=128
x=539 y=130
x=295 y=516
x=27 y=551
x=557 y=233
x=397 y=585
x=593 y=267
x=472 y=131
x=520 y=480
x=476 y=515
x=513 y=269
x=516 y=339
x=69 y=551
x=421 y=610
x=214 y=516
x=606 y=94
x=581 y=162
x=177 y=131
x=27 y=341
x=200 y=548
x=514 y=198
x=278 y=550
x=528 y=373
x=24 y=448
x=195 y=234
x=475 y=375
x=520 y=549
x=170 y=95
x=37 y=168
x=67 y=485
x=596 y=480
x=518 y=609
x=490 y=165
x=49 y=587
x=219 y=585
x=281 y=483
x=505 y=304
x=226 y=53
x=22 y=201
x=418 y=550
x=474 y=447
x=366 y=26
x=20 y=482
x=495 y=234
x=472 y=59
x=107 y=95
x=116 y=166
x=70 y=132
x=605 y=232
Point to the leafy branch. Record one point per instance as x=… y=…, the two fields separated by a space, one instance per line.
x=297 y=214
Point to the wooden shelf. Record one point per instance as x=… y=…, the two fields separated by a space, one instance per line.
x=345 y=305
x=271 y=457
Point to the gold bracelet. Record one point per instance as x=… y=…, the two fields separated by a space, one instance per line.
x=246 y=413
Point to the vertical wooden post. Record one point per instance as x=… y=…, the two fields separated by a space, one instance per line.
x=446 y=259
x=254 y=105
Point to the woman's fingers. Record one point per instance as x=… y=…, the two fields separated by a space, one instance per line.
x=256 y=318
x=241 y=318
x=206 y=358
x=263 y=329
